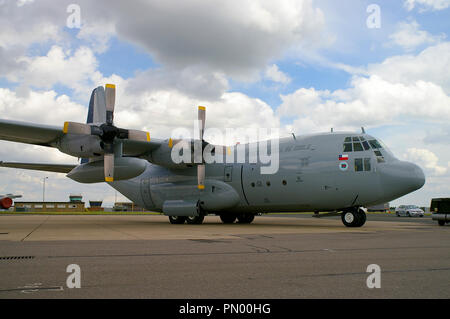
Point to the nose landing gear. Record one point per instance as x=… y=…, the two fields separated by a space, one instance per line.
x=354 y=217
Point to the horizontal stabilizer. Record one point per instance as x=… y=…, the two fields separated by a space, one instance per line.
x=57 y=168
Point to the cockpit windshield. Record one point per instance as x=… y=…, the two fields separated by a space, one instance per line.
x=366 y=143
x=360 y=144
x=375 y=144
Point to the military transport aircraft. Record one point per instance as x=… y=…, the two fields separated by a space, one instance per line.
x=6 y=201
x=335 y=173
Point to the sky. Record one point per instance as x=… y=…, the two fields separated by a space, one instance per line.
x=304 y=66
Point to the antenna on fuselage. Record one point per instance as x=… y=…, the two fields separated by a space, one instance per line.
x=293 y=135
x=332 y=130
x=363 y=130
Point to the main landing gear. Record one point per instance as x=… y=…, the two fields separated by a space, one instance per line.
x=193 y=220
x=354 y=217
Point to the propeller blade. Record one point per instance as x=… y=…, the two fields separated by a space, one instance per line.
x=108 y=163
x=202 y=118
x=201 y=176
x=201 y=168
x=110 y=95
x=77 y=128
x=99 y=106
x=136 y=135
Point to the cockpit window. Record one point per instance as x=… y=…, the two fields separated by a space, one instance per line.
x=366 y=145
x=360 y=144
x=375 y=144
x=357 y=147
x=378 y=153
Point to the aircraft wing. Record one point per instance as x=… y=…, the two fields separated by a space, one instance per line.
x=45 y=135
x=29 y=133
x=57 y=168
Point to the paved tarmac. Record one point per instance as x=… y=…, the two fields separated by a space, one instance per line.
x=292 y=256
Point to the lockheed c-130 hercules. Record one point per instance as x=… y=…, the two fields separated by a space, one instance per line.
x=336 y=172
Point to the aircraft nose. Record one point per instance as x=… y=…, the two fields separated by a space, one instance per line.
x=400 y=178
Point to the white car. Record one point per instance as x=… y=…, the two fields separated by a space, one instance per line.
x=409 y=211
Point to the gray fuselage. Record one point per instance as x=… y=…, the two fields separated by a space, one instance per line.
x=314 y=175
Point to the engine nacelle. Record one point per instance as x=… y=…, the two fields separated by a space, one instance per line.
x=163 y=156
x=93 y=172
x=6 y=203
x=83 y=146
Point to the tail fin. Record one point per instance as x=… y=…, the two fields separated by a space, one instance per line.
x=90 y=117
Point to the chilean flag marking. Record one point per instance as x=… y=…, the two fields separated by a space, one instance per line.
x=343 y=157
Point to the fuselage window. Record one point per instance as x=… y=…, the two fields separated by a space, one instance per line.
x=367 y=167
x=355 y=139
x=359 y=165
x=348 y=147
x=362 y=138
x=362 y=165
x=348 y=139
x=357 y=147
x=366 y=145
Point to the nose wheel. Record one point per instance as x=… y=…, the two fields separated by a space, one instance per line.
x=355 y=217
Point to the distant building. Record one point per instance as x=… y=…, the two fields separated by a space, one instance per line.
x=95 y=206
x=74 y=205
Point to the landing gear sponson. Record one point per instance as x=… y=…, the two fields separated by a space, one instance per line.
x=225 y=218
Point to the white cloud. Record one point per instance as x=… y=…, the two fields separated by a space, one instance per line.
x=427 y=160
x=57 y=67
x=409 y=36
x=426 y=5
x=274 y=74
x=44 y=107
x=431 y=65
x=371 y=101
x=236 y=38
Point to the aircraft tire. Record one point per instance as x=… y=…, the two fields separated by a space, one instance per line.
x=245 y=218
x=177 y=220
x=362 y=218
x=195 y=220
x=228 y=218
x=352 y=218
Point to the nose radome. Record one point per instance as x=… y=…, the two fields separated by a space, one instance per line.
x=400 y=178
x=418 y=177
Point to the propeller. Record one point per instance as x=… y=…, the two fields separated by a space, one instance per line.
x=201 y=167
x=107 y=132
x=201 y=143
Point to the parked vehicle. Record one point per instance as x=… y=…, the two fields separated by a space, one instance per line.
x=409 y=211
x=441 y=210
